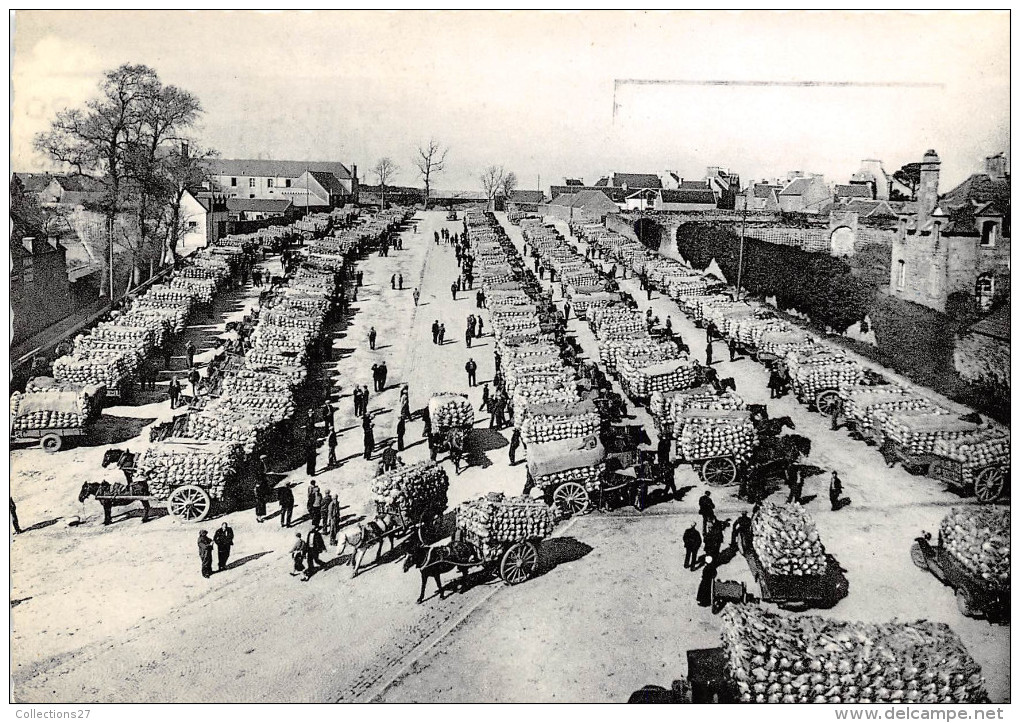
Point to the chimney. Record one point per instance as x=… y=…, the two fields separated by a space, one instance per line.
x=995 y=166
x=928 y=189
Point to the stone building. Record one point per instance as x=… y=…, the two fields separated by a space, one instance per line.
x=956 y=243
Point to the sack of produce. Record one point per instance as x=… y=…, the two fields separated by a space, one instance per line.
x=414 y=490
x=776 y=658
x=222 y=421
x=861 y=403
x=49 y=409
x=670 y=406
x=447 y=409
x=917 y=433
x=202 y=289
x=979 y=538
x=811 y=373
x=495 y=519
x=177 y=462
x=786 y=540
x=106 y=368
x=781 y=342
x=256 y=382
x=578 y=459
x=559 y=420
x=663 y=376
x=708 y=433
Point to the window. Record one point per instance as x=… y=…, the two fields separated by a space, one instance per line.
x=988 y=232
x=269 y=182
x=192 y=225
x=985 y=290
x=901 y=275
x=233 y=181
x=28 y=275
x=251 y=195
x=251 y=183
x=287 y=183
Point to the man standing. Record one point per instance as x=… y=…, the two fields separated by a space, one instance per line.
x=371 y=338
x=741 y=531
x=732 y=344
x=479 y=299
x=310 y=454
x=286 y=497
x=332 y=514
x=708 y=354
x=400 y=282
x=405 y=403
x=364 y=399
x=481 y=326
x=393 y=282
x=515 y=443
x=795 y=480
x=835 y=493
x=467 y=337
x=315 y=504
x=400 y=433
x=224 y=539
x=174 y=391
x=456 y=451
x=375 y=377
x=389 y=457
x=297 y=553
x=14 y=517
x=331 y=445
x=566 y=311
x=193 y=378
x=426 y=418
x=261 y=491
x=485 y=398
x=314 y=546
x=189 y=354
x=472 y=369
x=383 y=372
x=453 y=290
x=357 y=401
x=435 y=331
x=692 y=543
x=361 y=278
x=442 y=334
x=706 y=508
x=369 y=436
x=416 y=295
x=205 y=546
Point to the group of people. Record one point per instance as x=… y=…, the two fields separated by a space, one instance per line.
x=223 y=540
x=379 y=373
x=474 y=329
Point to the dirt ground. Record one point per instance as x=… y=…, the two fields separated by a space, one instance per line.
x=121 y=613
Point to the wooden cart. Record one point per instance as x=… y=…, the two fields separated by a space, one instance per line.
x=51 y=439
x=797 y=591
x=990 y=484
x=974 y=597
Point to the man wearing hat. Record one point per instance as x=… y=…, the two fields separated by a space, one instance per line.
x=205 y=547
x=286 y=497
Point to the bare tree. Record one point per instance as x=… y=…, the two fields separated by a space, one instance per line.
x=509 y=184
x=183 y=168
x=431 y=160
x=384 y=170
x=492 y=180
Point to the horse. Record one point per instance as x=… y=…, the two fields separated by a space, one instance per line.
x=372 y=532
x=436 y=561
x=726 y=383
x=125 y=460
x=112 y=493
x=759 y=412
x=773 y=427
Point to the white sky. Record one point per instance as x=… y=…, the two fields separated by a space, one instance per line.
x=534 y=91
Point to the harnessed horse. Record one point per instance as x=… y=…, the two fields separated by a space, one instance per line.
x=109 y=496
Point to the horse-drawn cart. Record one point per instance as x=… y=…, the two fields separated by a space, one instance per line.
x=977 y=464
x=568 y=472
x=716 y=443
x=52 y=417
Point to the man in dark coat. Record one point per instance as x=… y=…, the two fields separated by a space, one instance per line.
x=364 y=399
x=442 y=334
x=708 y=575
x=400 y=433
x=357 y=401
x=205 y=546
x=331 y=445
x=706 y=508
x=400 y=277
x=714 y=539
x=515 y=443
x=708 y=354
x=472 y=370
x=286 y=497
x=310 y=455
x=189 y=354
x=453 y=290
x=174 y=391
x=741 y=531
x=261 y=491
x=485 y=398
x=14 y=517
x=692 y=543
x=479 y=299
x=314 y=546
x=836 y=492
x=426 y=418
x=435 y=331
x=369 y=436
x=467 y=338
x=224 y=539
x=732 y=345
x=481 y=327
x=371 y=338
x=393 y=282
x=383 y=371
x=795 y=481
x=775 y=383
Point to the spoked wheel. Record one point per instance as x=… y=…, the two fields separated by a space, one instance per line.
x=190 y=503
x=826 y=401
x=519 y=562
x=719 y=471
x=989 y=485
x=51 y=443
x=572 y=498
x=918 y=556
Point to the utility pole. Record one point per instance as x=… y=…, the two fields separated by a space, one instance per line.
x=740 y=260
x=109 y=236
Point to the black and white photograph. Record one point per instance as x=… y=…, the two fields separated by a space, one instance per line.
x=531 y=356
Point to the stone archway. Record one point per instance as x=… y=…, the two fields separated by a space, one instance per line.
x=842 y=241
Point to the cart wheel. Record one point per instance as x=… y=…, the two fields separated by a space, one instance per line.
x=189 y=503
x=917 y=556
x=519 y=562
x=826 y=401
x=51 y=443
x=719 y=471
x=989 y=485
x=966 y=604
x=572 y=498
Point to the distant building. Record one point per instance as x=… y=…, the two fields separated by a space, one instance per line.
x=956 y=243
x=258 y=209
x=759 y=197
x=449 y=198
x=332 y=183
x=40 y=288
x=643 y=200
x=630 y=181
x=806 y=194
x=61 y=189
x=685 y=199
x=725 y=185
x=585 y=205
x=616 y=195
x=395 y=196
x=204 y=218
x=525 y=201
x=873 y=175
x=851 y=191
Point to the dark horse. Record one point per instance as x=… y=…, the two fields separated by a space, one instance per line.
x=436 y=561
x=773 y=427
x=116 y=495
x=124 y=459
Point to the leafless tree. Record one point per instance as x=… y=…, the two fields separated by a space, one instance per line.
x=509 y=184
x=431 y=160
x=492 y=181
x=384 y=170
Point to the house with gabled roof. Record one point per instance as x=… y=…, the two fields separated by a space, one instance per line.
x=807 y=194
x=332 y=182
x=685 y=199
x=759 y=197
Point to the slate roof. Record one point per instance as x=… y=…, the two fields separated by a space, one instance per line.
x=853 y=190
x=527 y=197
x=797 y=187
x=995 y=325
x=636 y=180
x=695 y=185
x=34 y=182
x=688 y=195
x=978 y=195
x=870 y=209
x=273 y=169
x=258 y=205
x=329 y=182
x=764 y=190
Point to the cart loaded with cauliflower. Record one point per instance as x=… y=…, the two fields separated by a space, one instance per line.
x=567 y=471
x=505 y=533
